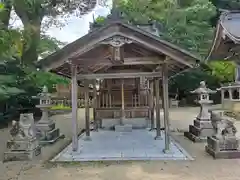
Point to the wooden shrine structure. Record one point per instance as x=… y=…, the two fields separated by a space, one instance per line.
x=226 y=44
x=226 y=47
x=125 y=65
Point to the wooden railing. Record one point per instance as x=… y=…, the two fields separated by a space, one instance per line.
x=68 y=102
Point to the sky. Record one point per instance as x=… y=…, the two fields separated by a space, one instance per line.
x=75 y=28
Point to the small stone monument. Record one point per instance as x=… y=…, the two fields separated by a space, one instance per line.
x=45 y=128
x=202 y=126
x=24 y=144
x=223 y=143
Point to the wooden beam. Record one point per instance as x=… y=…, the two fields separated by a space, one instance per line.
x=119 y=75
x=127 y=61
x=161 y=48
x=80 y=46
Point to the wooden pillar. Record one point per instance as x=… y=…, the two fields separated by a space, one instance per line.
x=222 y=97
x=138 y=91
x=123 y=106
x=166 y=106
x=158 y=122
x=110 y=99
x=230 y=93
x=151 y=104
x=95 y=104
x=74 y=109
x=135 y=100
x=102 y=97
x=110 y=93
x=87 y=117
x=107 y=99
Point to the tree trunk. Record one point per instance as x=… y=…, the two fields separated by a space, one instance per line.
x=31 y=42
x=5 y=14
x=31 y=16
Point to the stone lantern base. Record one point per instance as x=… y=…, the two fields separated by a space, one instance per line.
x=199 y=131
x=223 y=149
x=47 y=133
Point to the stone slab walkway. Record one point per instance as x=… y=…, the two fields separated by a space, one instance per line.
x=108 y=145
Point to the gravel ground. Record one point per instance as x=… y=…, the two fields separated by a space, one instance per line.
x=202 y=168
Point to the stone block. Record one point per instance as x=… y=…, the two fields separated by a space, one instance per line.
x=203 y=124
x=137 y=123
x=123 y=128
x=232 y=154
x=22 y=155
x=200 y=132
x=197 y=134
x=194 y=138
x=46 y=126
x=22 y=145
x=222 y=145
x=49 y=137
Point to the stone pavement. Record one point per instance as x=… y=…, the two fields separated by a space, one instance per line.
x=112 y=145
x=203 y=168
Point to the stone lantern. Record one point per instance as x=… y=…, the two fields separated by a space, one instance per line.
x=202 y=126
x=46 y=131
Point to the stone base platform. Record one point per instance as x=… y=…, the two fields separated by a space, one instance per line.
x=199 y=131
x=234 y=154
x=48 y=134
x=224 y=149
x=18 y=155
x=47 y=126
x=108 y=145
x=53 y=140
x=193 y=138
x=137 y=123
x=123 y=128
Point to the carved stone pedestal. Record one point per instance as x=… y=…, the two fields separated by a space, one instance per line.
x=199 y=131
x=47 y=133
x=22 y=150
x=224 y=143
x=24 y=144
x=223 y=149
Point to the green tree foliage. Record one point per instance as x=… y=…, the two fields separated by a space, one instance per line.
x=186 y=23
x=19 y=81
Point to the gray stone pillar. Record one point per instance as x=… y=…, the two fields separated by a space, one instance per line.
x=123 y=106
x=166 y=107
x=87 y=117
x=158 y=121
x=74 y=109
